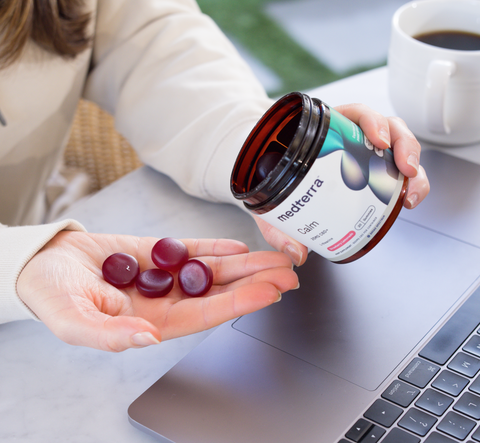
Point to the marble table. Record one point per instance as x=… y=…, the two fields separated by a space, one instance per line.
x=51 y=392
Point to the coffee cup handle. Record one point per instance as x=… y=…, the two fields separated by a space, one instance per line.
x=438 y=75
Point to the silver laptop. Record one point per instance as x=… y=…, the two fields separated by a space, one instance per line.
x=385 y=349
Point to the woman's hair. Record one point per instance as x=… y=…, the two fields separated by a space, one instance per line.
x=59 y=26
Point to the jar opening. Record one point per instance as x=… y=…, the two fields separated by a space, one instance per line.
x=285 y=132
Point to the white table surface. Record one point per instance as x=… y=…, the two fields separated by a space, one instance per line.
x=52 y=392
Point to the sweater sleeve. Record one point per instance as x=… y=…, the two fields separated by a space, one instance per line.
x=178 y=90
x=19 y=245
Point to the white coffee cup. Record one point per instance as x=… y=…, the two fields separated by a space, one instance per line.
x=434 y=89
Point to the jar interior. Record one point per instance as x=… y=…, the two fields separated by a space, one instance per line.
x=272 y=135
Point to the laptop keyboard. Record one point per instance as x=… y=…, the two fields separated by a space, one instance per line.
x=436 y=397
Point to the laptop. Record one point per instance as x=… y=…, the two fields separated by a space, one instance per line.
x=385 y=349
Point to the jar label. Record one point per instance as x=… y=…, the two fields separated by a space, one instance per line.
x=346 y=196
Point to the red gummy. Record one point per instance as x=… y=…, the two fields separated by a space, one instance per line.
x=154 y=283
x=266 y=163
x=120 y=270
x=169 y=254
x=195 y=278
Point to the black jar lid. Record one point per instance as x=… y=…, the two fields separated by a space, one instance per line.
x=311 y=118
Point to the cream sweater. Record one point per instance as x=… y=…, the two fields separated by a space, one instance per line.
x=179 y=93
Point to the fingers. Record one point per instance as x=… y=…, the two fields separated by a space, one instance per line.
x=121 y=333
x=284 y=279
x=214 y=247
x=97 y=330
x=418 y=189
x=406 y=147
x=393 y=131
x=407 y=157
x=230 y=268
x=374 y=125
x=243 y=283
x=282 y=242
x=208 y=312
x=384 y=132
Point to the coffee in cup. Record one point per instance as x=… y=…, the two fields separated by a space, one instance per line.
x=457 y=40
x=434 y=69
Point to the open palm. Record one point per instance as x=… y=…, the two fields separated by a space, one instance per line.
x=64 y=287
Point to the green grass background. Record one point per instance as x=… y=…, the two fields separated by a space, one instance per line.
x=263 y=38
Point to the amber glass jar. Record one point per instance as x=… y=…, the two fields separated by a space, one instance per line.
x=312 y=173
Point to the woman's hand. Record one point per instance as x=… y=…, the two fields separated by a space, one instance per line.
x=63 y=285
x=383 y=132
x=392 y=132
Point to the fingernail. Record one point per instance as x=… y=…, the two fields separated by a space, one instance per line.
x=383 y=135
x=294 y=254
x=297 y=287
x=413 y=161
x=279 y=297
x=144 y=339
x=412 y=201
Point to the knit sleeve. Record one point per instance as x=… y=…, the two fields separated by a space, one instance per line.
x=178 y=89
x=17 y=246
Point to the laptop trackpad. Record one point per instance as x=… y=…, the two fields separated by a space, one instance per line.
x=359 y=320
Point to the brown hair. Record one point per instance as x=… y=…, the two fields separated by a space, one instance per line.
x=59 y=26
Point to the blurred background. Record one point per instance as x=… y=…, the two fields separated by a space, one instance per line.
x=300 y=44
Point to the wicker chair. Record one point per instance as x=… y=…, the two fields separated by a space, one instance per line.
x=97 y=148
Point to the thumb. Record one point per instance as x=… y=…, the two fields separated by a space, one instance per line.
x=282 y=242
x=107 y=333
x=121 y=333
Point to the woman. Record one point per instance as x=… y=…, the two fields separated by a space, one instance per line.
x=186 y=101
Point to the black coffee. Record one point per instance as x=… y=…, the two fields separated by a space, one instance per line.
x=464 y=41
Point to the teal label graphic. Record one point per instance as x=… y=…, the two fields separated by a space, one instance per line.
x=361 y=167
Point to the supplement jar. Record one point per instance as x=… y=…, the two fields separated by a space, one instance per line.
x=311 y=172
